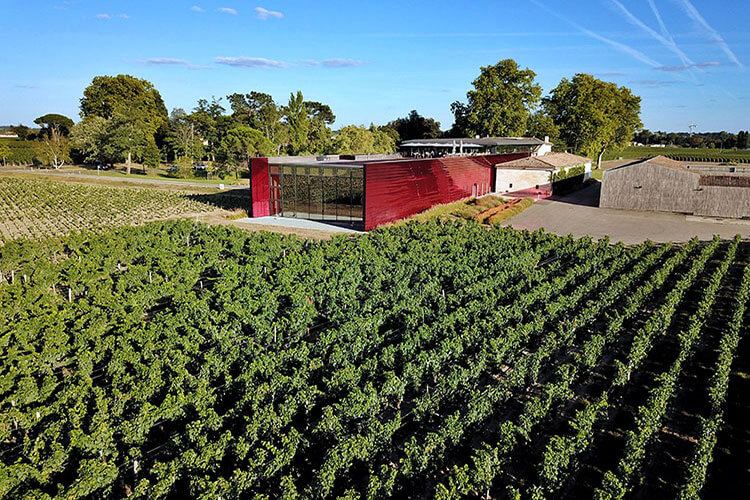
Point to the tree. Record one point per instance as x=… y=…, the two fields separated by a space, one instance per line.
x=259 y=111
x=54 y=152
x=415 y=126
x=126 y=138
x=594 y=116
x=134 y=110
x=319 y=111
x=111 y=95
x=355 y=140
x=298 y=123
x=87 y=137
x=4 y=153
x=182 y=138
x=206 y=117
x=500 y=103
x=23 y=132
x=55 y=126
x=541 y=126
x=241 y=144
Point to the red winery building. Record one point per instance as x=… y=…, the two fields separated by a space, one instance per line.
x=369 y=193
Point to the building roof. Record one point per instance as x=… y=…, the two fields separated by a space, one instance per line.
x=474 y=142
x=549 y=162
x=663 y=161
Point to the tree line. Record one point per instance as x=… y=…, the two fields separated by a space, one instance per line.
x=124 y=119
x=711 y=140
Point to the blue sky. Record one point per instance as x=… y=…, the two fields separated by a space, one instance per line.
x=374 y=61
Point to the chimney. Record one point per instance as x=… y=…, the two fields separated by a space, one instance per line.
x=546 y=138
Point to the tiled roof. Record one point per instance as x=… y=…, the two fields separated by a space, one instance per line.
x=550 y=162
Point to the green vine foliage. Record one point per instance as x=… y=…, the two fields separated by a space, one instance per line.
x=180 y=360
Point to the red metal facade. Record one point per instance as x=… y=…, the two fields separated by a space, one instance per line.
x=259 y=188
x=401 y=188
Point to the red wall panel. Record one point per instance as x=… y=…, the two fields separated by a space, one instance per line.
x=401 y=188
x=259 y=189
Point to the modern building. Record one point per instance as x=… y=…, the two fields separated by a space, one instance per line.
x=542 y=176
x=439 y=148
x=666 y=185
x=366 y=192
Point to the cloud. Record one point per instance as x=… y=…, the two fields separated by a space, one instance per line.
x=251 y=62
x=107 y=16
x=195 y=8
x=712 y=34
x=665 y=39
x=341 y=63
x=165 y=61
x=685 y=67
x=654 y=83
x=266 y=14
x=616 y=45
x=332 y=63
x=227 y=10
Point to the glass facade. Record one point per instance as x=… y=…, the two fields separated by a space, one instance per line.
x=329 y=193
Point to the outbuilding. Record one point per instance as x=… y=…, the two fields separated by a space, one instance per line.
x=542 y=176
x=666 y=185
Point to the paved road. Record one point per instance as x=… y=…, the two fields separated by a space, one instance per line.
x=579 y=215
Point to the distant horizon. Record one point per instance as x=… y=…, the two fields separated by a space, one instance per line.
x=686 y=59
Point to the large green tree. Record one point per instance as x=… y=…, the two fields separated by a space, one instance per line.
x=259 y=111
x=127 y=139
x=298 y=124
x=110 y=95
x=593 y=116
x=134 y=111
x=358 y=140
x=541 y=126
x=88 y=137
x=415 y=126
x=55 y=126
x=182 y=138
x=242 y=143
x=207 y=118
x=503 y=97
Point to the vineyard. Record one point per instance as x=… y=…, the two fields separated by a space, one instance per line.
x=33 y=208
x=426 y=360
x=736 y=156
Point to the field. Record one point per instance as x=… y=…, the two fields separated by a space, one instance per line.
x=31 y=208
x=423 y=360
x=684 y=154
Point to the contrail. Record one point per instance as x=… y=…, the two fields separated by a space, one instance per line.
x=693 y=13
x=667 y=42
x=617 y=45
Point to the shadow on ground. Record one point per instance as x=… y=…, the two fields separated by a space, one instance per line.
x=588 y=196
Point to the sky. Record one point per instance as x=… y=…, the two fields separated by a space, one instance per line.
x=374 y=61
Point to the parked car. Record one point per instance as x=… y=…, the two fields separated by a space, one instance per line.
x=200 y=166
x=173 y=169
x=102 y=166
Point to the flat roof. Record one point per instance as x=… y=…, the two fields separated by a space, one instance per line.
x=474 y=142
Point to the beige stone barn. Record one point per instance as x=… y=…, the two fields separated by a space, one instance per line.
x=665 y=185
x=533 y=176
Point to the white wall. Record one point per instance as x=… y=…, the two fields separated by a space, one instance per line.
x=507 y=181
